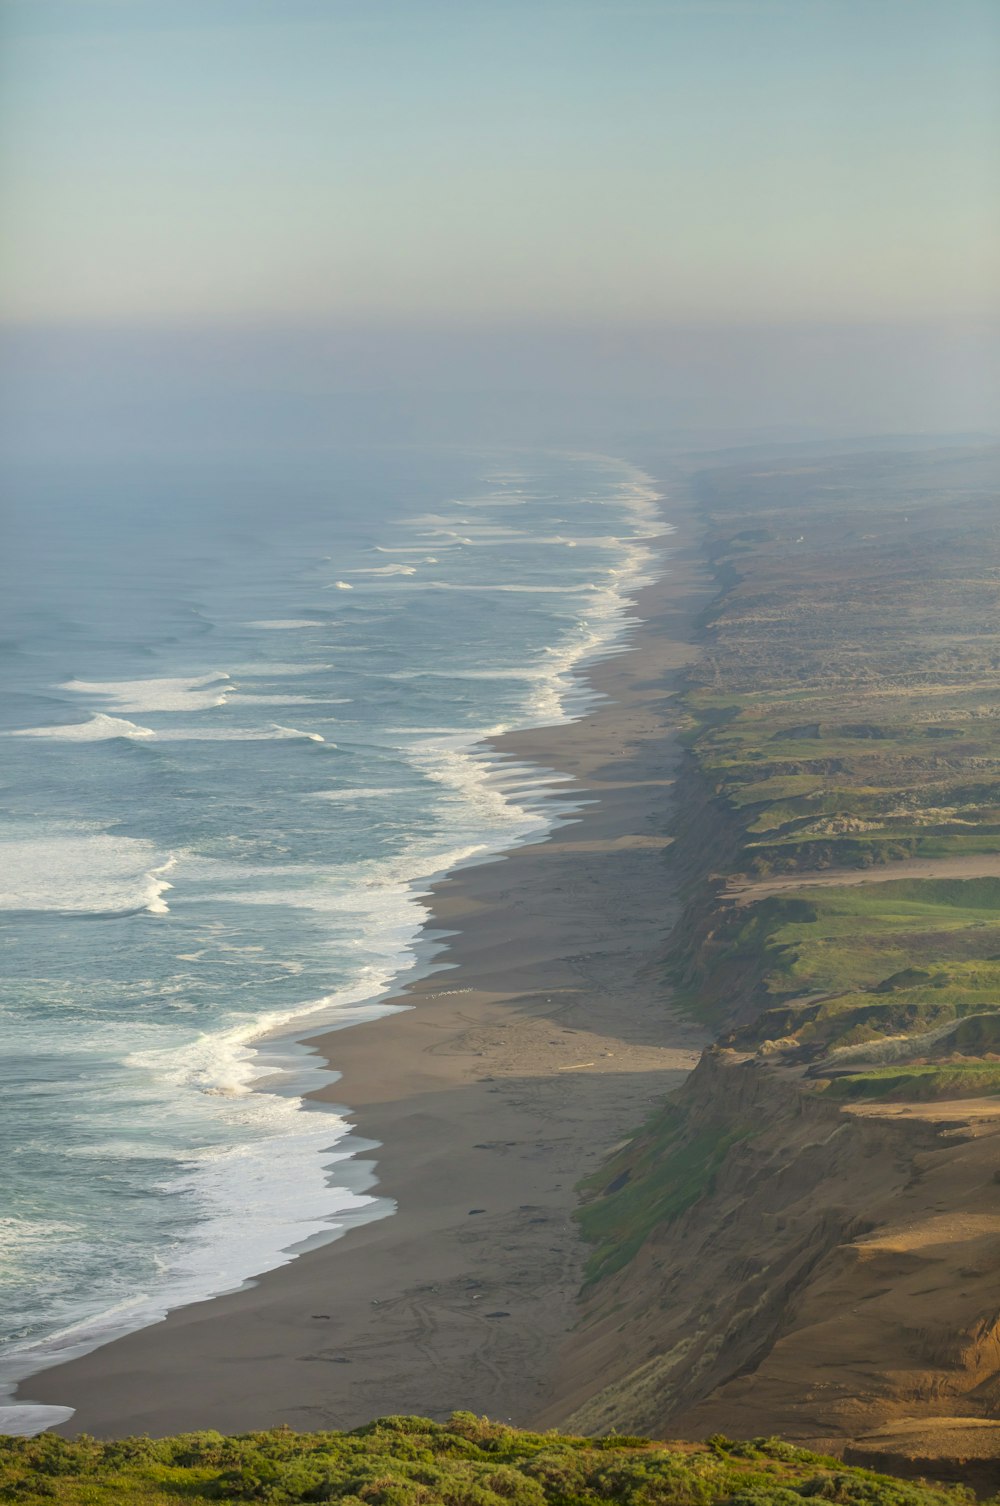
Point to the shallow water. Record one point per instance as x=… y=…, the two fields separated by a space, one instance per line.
x=241 y=709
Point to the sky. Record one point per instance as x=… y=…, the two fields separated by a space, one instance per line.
x=616 y=163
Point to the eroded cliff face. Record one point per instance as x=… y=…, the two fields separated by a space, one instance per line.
x=806 y=1239
x=840 y=1274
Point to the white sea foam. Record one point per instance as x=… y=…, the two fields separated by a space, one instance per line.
x=30 y=1418
x=99 y=729
x=313 y=737
x=371 y=793
x=223 y=1063
x=385 y=570
x=434 y=519
x=341 y=585
x=251 y=1221
x=459 y=763
x=495 y=533
x=559 y=693
x=158 y=886
x=515 y=588
x=518 y=672
x=187 y=693
x=273 y=732
x=76 y=870
x=270 y=668
x=284 y=624
x=273 y=1184
x=280 y=698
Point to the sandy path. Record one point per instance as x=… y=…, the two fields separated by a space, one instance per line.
x=546 y=1042
x=747 y=891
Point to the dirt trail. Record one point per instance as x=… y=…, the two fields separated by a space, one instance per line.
x=745 y=891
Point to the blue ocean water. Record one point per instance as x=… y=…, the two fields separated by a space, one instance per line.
x=241 y=709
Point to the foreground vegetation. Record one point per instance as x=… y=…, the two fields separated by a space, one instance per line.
x=410 y=1461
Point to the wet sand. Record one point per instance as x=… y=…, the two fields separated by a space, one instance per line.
x=544 y=1042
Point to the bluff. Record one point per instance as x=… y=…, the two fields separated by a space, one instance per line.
x=804 y=1239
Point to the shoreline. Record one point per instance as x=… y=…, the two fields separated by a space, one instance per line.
x=462 y=1297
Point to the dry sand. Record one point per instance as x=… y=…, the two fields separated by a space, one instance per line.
x=546 y=1041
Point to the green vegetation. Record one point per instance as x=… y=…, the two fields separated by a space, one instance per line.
x=905 y=971
x=652 y=1181
x=932 y=942
x=410 y=1461
x=853 y=797
x=845 y=716
x=845 y=709
x=802 y=1231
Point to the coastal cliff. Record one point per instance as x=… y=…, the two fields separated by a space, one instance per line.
x=837 y=1272
x=805 y=1238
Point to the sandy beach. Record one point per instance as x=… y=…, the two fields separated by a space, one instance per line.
x=544 y=1042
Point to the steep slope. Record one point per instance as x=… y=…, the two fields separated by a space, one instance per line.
x=838 y=1272
x=806 y=1238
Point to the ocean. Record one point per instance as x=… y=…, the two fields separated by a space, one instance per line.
x=243 y=711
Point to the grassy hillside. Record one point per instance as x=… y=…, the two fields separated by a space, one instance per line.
x=845 y=707
x=410 y=1461
x=803 y=1233
x=845 y=717
x=840 y=980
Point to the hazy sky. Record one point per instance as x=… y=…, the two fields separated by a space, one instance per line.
x=583 y=160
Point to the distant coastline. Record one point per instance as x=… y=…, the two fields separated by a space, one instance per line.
x=486 y=1021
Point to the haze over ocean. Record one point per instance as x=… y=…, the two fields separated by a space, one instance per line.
x=528 y=218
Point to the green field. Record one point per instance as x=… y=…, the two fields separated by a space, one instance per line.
x=846 y=715
x=844 y=709
x=901 y=970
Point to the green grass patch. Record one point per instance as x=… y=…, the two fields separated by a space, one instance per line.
x=846 y=965
x=850 y=938
x=655 y=1179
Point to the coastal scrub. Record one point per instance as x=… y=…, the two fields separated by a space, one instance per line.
x=412 y=1461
